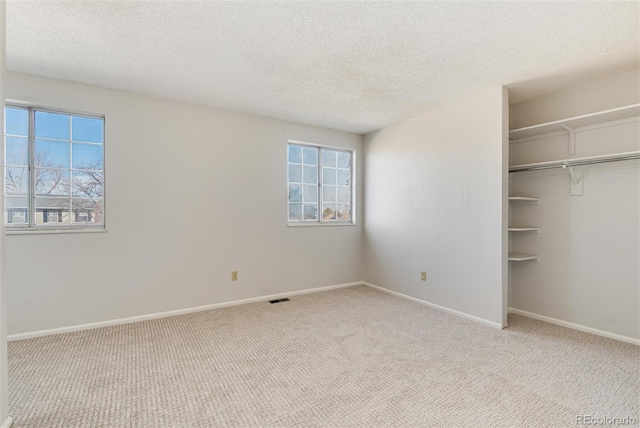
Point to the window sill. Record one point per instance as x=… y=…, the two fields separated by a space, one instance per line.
x=317 y=224
x=51 y=231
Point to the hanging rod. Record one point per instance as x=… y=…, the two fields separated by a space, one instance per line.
x=575 y=162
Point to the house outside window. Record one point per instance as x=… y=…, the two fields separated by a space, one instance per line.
x=51 y=216
x=16 y=216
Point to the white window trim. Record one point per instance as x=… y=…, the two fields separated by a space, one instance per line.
x=319 y=222
x=44 y=231
x=31 y=227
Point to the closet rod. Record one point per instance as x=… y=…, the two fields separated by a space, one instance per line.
x=569 y=163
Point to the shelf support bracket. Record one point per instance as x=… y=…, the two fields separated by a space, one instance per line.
x=572 y=139
x=577 y=181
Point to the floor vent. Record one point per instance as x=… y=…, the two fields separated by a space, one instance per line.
x=278 y=300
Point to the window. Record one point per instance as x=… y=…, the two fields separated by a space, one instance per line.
x=54 y=169
x=320 y=183
x=51 y=216
x=16 y=216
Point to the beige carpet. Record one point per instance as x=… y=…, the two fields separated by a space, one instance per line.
x=348 y=357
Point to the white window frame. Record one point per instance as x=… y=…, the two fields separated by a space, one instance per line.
x=30 y=226
x=319 y=221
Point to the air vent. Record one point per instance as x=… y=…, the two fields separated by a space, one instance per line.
x=278 y=300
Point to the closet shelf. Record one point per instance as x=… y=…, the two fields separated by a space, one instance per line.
x=563 y=163
x=521 y=257
x=604 y=116
x=523 y=199
x=524 y=229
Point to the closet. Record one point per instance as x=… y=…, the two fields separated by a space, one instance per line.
x=574 y=221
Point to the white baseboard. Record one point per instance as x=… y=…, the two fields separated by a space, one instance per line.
x=575 y=326
x=438 y=307
x=156 y=315
x=7 y=423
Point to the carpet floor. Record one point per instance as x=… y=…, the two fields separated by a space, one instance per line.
x=353 y=357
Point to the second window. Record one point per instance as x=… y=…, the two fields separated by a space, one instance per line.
x=320 y=181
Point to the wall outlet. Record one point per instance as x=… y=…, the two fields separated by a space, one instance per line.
x=423 y=276
x=234 y=275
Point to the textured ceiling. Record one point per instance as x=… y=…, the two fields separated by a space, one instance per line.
x=353 y=66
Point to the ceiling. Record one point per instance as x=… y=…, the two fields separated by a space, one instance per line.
x=354 y=66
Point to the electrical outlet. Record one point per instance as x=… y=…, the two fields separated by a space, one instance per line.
x=423 y=276
x=234 y=275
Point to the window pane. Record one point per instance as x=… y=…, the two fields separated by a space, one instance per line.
x=295 y=193
x=328 y=176
x=16 y=121
x=52 y=211
x=50 y=182
x=344 y=194
x=311 y=174
x=16 y=151
x=344 y=177
x=295 y=211
x=52 y=125
x=87 y=156
x=16 y=181
x=88 y=184
x=310 y=193
x=295 y=153
x=329 y=212
x=344 y=160
x=310 y=212
x=16 y=211
x=344 y=212
x=329 y=194
x=52 y=154
x=87 y=129
x=295 y=173
x=310 y=155
x=87 y=211
x=329 y=158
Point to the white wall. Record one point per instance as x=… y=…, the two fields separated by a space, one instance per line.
x=435 y=187
x=192 y=193
x=589 y=248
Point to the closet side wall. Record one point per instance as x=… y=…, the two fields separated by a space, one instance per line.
x=434 y=202
x=588 y=246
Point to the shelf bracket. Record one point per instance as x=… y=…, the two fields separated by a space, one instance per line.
x=577 y=181
x=572 y=139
